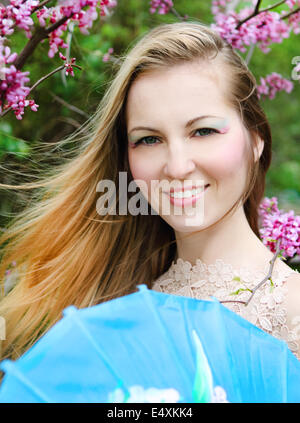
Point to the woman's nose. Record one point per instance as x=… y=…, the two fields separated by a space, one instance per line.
x=179 y=162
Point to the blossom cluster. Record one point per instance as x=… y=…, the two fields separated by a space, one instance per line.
x=74 y=10
x=68 y=65
x=273 y=83
x=17 y=13
x=279 y=225
x=249 y=27
x=263 y=29
x=163 y=6
x=13 y=84
x=14 y=88
x=82 y=12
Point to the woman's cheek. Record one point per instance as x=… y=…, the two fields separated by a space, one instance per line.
x=227 y=161
x=141 y=170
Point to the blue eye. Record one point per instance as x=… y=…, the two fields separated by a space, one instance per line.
x=145 y=139
x=205 y=132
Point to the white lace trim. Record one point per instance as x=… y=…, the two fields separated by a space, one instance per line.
x=267 y=309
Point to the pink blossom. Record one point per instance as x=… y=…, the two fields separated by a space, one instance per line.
x=86 y=20
x=262 y=29
x=106 y=56
x=43 y=14
x=6 y=56
x=292 y=3
x=294 y=22
x=273 y=83
x=163 y=5
x=55 y=40
x=106 y=5
x=279 y=225
x=73 y=9
x=33 y=105
x=226 y=26
x=20 y=103
x=217 y=5
x=6 y=24
x=269 y=205
x=17 y=13
x=13 y=87
x=13 y=82
x=62 y=56
x=69 y=67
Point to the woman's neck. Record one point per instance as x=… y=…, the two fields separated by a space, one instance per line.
x=231 y=240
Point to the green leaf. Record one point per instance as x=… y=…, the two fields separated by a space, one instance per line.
x=237 y=278
x=240 y=290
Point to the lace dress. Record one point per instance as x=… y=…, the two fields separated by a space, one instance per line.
x=267 y=308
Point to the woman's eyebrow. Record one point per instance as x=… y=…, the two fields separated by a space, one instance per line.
x=189 y=123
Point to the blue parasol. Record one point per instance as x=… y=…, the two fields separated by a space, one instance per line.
x=153 y=347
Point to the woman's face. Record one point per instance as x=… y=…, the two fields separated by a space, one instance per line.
x=211 y=153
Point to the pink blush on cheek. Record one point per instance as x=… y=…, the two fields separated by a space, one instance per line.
x=227 y=160
x=142 y=170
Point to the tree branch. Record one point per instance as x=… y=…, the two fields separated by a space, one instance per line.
x=40 y=6
x=39 y=35
x=69 y=106
x=50 y=74
x=58 y=23
x=291 y=13
x=256 y=9
x=268 y=276
x=40 y=81
x=265 y=279
x=272 y=7
x=174 y=11
x=257 y=12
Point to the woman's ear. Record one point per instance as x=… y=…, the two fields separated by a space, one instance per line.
x=258 y=148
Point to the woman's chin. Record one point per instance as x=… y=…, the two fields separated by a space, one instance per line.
x=186 y=224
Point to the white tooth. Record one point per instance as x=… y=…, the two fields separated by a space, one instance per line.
x=185 y=194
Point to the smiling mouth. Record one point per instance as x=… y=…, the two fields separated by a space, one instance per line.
x=184 y=198
x=186 y=192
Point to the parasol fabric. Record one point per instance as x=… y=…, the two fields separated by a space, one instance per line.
x=153 y=347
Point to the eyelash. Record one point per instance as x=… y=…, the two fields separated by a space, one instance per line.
x=145 y=138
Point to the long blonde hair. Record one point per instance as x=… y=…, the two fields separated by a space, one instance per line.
x=66 y=253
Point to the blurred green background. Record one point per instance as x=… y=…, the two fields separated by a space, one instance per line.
x=65 y=102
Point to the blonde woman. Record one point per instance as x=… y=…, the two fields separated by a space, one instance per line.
x=202 y=123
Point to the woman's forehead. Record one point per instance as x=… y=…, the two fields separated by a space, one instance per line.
x=176 y=90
